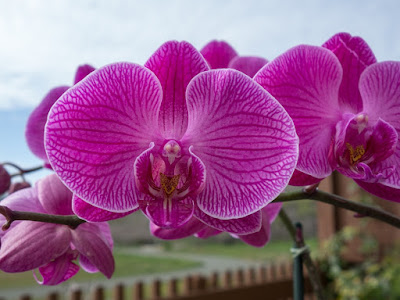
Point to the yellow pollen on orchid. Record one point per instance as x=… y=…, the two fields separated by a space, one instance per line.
x=169 y=183
x=355 y=154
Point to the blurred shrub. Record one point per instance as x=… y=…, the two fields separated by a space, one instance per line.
x=370 y=280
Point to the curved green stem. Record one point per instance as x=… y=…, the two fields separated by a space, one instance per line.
x=362 y=209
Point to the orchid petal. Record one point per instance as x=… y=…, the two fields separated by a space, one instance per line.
x=167 y=213
x=146 y=165
x=175 y=64
x=93 y=246
x=246 y=225
x=306 y=80
x=188 y=229
x=272 y=211
x=380 y=190
x=380 y=91
x=249 y=65
x=261 y=237
x=54 y=196
x=245 y=139
x=207 y=232
x=82 y=72
x=22 y=200
x=218 y=54
x=91 y=213
x=34 y=132
x=85 y=264
x=301 y=179
x=98 y=128
x=59 y=270
x=354 y=55
x=26 y=246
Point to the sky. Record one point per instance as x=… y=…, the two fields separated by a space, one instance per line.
x=43 y=42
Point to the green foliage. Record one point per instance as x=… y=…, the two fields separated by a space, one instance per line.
x=369 y=280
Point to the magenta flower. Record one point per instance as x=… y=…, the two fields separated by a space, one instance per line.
x=343 y=123
x=220 y=54
x=34 y=131
x=26 y=245
x=258 y=238
x=172 y=138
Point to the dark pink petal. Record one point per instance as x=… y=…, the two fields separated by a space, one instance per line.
x=272 y=211
x=167 y=213
x=22 y=200
x=91 y=213
x=5 y=180
x=218 y=54
x=175 y=64
x=85 y=264
x=98 y=128
x=380 y=91
x=380 y=190
x=261 y=237
x=59 y=270
x=354 y=55
x=34 y=131
x=207 y=232
x=82 y=72
x=306 y=80
x=27 y=247
x=188 y=229
x=54 y=196
x=101 y=229
x=246 y=225
x=382 y=143
x=300 y=179
x=249 y=65
x=91 y=245
x=245 y=139
x=16 y=186
x=144 y=168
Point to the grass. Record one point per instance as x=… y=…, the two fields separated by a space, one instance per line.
x=238 y=249
x=126 y=265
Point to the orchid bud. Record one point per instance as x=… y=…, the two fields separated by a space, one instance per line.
x=18 y=186
x=5 y=180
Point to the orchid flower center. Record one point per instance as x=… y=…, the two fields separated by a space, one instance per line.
x=355 y=154
x=170 y=177
x=361 y=144
x=170 y=172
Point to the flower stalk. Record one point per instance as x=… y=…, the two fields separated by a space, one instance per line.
x=13 y=215
x=359 y=208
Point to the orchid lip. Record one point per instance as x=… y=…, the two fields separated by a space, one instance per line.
x=171 y=184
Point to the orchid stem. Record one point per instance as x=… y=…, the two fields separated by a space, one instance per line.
x=360 y=208
x=13 y=215
x=21 y=170
x=312 y=270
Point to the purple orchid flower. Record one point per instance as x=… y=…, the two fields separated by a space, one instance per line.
x=172 y=138
x=198 y=228
x=25 y=246
x=343 y=123
x=219 y=54
x=34 y=132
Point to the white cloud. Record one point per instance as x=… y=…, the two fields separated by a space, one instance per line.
x=44 y=41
